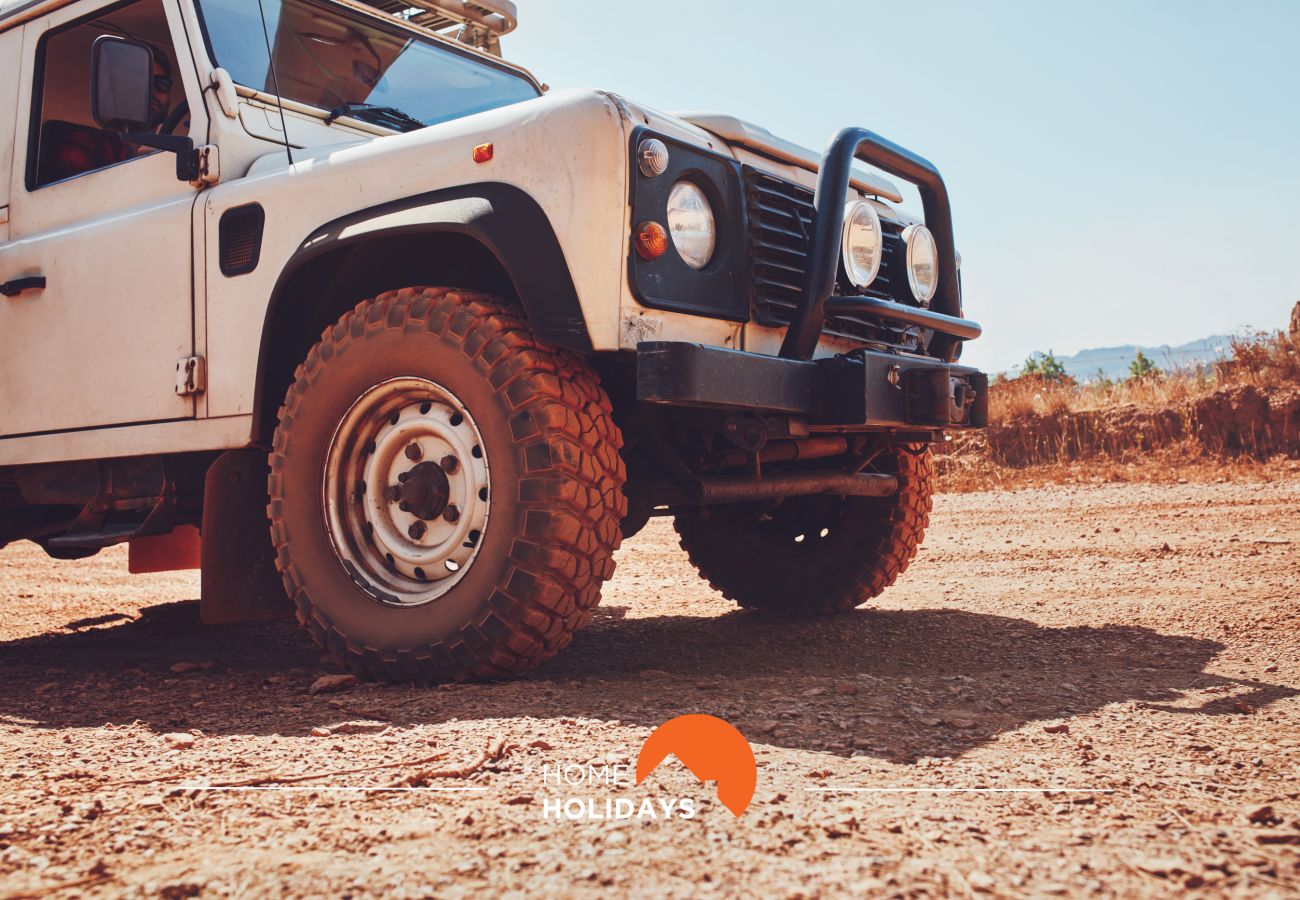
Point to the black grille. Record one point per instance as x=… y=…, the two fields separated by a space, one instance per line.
x=241 y=239
x=780 y=233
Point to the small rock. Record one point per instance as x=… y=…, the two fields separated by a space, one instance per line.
x=980 y=881
x=180 y=740
x=1271 y=669
x=1263 y=815
x=1243 y=707
x=320 y=731
x=182 y=668
x=47 y=687
x=769 y=726
x=541 y=745
x=1059 y=728
x=845 y=690
x=522 y=800
x=332 y=684
x=1163 y=866
x=360 y=728
x=1277 y=838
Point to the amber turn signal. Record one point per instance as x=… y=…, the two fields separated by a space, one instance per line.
x=484 y=153
x=651 y=240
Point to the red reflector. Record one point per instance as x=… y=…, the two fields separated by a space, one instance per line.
x=484 y=153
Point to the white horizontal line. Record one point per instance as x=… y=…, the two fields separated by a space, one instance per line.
x=332 y=788
x=923 y=790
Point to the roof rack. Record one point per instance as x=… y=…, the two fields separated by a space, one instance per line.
x=479 y=23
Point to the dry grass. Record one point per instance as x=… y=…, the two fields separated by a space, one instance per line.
x=1262 y=359
x=1032 y=395
x=1239 y=418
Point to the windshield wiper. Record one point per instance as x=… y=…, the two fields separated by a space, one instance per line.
x=387 y=116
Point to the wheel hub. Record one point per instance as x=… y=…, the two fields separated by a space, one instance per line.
x=424 y=491
x=406 y=491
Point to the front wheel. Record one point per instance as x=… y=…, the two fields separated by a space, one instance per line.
x=815 y=555
x=445 y=490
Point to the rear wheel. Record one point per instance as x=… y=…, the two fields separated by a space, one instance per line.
x=816 y=555
x=445 y=490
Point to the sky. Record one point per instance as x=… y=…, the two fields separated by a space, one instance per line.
x=1120 y=172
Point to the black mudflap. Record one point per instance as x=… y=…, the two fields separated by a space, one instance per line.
x=240 y=582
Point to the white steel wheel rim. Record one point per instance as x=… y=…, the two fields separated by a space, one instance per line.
x=406 y=490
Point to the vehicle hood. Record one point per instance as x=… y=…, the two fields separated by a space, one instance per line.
x=760 y=140
x=717 y=132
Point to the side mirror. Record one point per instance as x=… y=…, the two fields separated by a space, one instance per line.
x=121 y=100
x=121 y=83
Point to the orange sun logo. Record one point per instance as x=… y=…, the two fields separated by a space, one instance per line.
x=712 y=749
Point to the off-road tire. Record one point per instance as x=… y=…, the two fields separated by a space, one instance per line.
x=870 y=542
x=555 y=505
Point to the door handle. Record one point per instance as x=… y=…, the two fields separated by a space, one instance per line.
x=18 y=285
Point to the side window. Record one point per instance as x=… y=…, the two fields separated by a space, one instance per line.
x=65 y=140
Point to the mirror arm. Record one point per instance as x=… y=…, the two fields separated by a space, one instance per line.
x=187 y=158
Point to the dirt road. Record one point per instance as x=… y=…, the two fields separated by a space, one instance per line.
x=1138 y=645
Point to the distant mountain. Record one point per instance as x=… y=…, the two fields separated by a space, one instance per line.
x=1113 y=362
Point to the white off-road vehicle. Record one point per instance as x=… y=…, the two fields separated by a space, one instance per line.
x=325 y=297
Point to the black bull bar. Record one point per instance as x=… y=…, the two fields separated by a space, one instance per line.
x=945 y=316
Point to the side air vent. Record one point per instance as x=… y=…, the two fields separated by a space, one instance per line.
x=241 y=239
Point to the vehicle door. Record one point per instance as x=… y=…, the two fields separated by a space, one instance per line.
x=99 y=232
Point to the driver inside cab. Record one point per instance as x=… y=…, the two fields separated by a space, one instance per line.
x=75 y=149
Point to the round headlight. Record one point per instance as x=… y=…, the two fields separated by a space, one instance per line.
x=690 y=222
x=863 y=244
x=922 y=263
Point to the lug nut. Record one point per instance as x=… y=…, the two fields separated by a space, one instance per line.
x=451 y=514
x=417 y=530
x=404 y=507
x=394 y=492
x=414 y=452
x=403 y=476
x=450 y=463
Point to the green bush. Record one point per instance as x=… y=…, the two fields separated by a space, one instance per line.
x=1045 y=366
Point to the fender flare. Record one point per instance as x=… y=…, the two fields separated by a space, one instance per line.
x=503 y=218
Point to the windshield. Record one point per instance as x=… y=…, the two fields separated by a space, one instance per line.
x=348 y=63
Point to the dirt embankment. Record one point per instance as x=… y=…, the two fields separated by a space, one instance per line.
x=1245 y=421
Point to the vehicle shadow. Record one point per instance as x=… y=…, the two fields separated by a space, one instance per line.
x=892 y=684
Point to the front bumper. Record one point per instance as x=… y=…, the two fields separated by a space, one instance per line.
x=865 y=391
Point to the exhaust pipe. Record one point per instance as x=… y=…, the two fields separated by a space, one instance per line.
x=739 y=488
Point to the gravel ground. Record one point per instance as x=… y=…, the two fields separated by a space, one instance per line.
x=1136 y=645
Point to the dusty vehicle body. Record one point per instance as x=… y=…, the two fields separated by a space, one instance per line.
x=473 y=347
